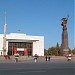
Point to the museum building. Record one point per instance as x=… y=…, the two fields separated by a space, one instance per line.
x=23 y=44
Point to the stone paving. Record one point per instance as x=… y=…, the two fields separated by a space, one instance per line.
x=27 y=66
x=23 y=59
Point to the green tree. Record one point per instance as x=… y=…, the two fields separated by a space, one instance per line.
x=45 y=52
x=58 y=49
x=73 y=51
x=70 y=51
x=54 y=50
x=51 y=51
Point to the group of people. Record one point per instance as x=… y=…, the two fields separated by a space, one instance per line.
x=47 y=58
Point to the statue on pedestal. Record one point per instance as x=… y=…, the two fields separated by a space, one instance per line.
x=64 y=45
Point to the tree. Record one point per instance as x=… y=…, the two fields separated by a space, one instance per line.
x=51 y=51
x=58 y=49
x=45 y=52
x=70 y=51
x=73 y=51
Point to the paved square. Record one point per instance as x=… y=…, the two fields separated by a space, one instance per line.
x=41 y=67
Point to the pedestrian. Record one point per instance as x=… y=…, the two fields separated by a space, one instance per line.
x=16 y=57
x=49 y=58
x=35 y=59
x=1 y=53
x=46 y=58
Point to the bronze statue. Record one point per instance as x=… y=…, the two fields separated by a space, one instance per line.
x=64 y=23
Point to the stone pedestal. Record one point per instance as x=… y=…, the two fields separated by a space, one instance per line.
x=65 y=49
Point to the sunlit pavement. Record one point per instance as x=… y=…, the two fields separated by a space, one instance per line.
x=41 y=67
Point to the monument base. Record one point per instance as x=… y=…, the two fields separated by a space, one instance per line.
x=65 y=51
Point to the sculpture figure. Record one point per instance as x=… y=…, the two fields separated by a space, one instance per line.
x=64 y=22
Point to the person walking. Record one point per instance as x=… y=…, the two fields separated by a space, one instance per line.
x=35 y=59
x=49 y=58
x=16 y=57
x=46 y=58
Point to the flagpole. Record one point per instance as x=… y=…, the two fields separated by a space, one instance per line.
x=4 y=37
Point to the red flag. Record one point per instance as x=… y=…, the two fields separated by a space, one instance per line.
x=25 y=50
x=15 y=50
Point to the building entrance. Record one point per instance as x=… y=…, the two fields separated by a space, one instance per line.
x=27 y=45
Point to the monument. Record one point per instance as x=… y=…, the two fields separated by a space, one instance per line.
x=64 y=45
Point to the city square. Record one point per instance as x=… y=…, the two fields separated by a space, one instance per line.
x=56 y=66
x=37 y=37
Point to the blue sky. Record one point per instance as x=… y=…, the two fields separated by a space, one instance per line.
x=39 y=18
